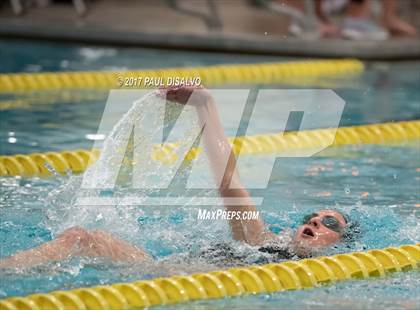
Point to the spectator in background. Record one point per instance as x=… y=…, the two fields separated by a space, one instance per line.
x=358 y=22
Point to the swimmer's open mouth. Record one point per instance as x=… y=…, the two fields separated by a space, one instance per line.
x=307 y=232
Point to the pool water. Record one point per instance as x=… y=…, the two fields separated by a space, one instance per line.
x=376 y=185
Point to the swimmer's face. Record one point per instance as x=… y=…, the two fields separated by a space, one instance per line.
x=320 y=229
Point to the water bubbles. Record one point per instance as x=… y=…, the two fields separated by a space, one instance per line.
x=94 y=137
x=9 y=182
x=99 y=217
x=93 y=54
x=347 y=190
x=51 y=169
x=64 y=64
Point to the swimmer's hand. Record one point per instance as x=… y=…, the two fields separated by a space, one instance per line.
x=222 y=160
x=191 y=95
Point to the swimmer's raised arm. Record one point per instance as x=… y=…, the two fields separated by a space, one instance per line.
x=219 y=152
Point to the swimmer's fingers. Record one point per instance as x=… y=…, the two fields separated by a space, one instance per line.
x=191 y=95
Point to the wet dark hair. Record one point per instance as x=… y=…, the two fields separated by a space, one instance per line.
x=352 y=231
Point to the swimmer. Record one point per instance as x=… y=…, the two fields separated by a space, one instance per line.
x=318 y=230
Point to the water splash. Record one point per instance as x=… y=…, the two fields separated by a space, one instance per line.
x=145 y=117
x=171 y=234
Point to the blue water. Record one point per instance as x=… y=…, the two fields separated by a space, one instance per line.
x=382 y=94
x=377 y=185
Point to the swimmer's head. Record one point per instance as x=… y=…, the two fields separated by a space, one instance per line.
x=322 y=229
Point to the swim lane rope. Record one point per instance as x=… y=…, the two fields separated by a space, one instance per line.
x=260 y=73
x=289 y=275
x=77 y=161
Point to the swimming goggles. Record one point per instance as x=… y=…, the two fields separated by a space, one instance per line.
x=328 y=221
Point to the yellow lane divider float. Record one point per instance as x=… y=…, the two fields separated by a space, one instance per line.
x=261 y=73
x=290 y=275
x=77 y=161
x=29 y=99
x=315 y=74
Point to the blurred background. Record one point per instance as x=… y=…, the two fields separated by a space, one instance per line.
x=369 y=29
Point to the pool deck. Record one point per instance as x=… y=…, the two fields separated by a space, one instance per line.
x=245 y=29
